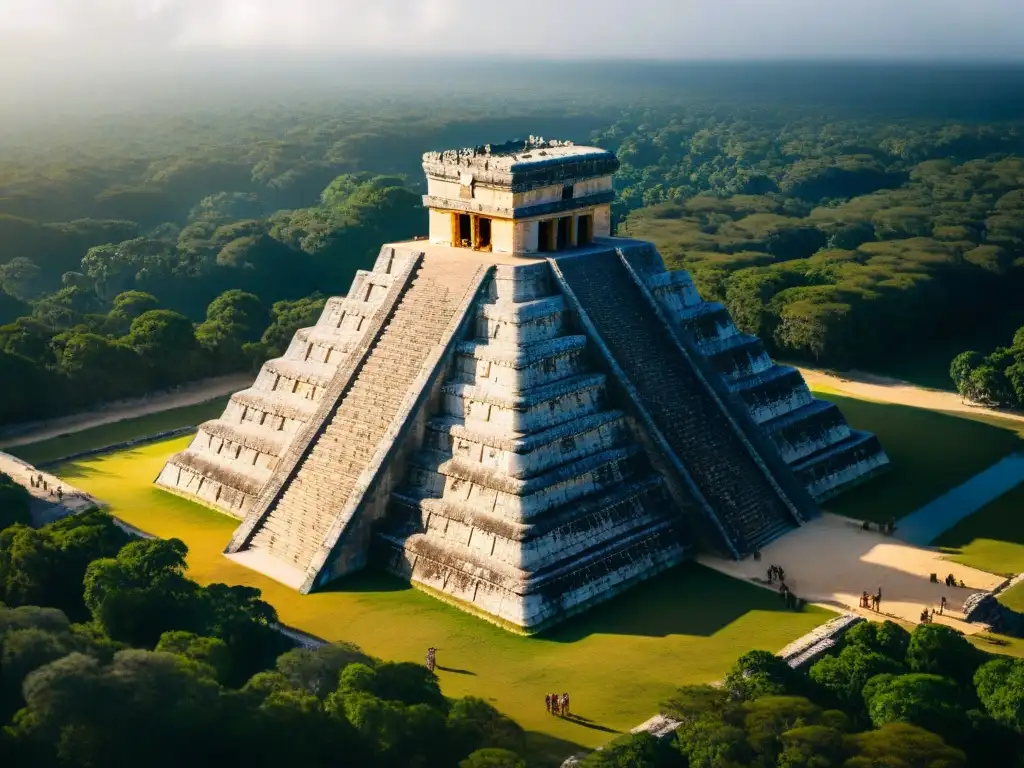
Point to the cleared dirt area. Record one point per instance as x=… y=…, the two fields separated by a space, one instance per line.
x=831 y=561
x=868 y=386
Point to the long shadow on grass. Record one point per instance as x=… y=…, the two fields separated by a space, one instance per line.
x=369 y=580
x=930 y=454
x=687 y=600
x=546 y=751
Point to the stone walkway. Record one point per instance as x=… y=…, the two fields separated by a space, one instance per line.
x=46 y=508
x=939 y=515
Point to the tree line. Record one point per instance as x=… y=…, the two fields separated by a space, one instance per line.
x=996 y=378
x=842 y=244
x=846 y=240
x=883 y=698
x=111 y=656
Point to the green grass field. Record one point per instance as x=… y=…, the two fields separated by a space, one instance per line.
x=69 y=444
x=618 y=660
x=931 y=453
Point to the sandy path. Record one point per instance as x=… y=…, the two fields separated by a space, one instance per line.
x=191 y=394
x=831 y=560
x=868 y=386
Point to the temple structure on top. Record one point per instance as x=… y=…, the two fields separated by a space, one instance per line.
x=520 y=412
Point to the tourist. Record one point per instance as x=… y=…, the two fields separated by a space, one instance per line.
x=878 y=599
x=962 y=585
x=554 y=704
x=780 y=573
x=565 y=704
x=431 y=658
x=942 y=605
x=865 y=601
x=771 y=574
x=60 y=493
x=547 y=702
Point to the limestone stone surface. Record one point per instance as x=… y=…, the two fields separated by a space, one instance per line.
x=524 y=435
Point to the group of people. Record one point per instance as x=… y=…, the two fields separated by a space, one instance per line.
x=557 y=705
x=927 y=617
x=871 y=602
x=38 y=481
x=775 y=572
x=952 y=582
x=431 y=658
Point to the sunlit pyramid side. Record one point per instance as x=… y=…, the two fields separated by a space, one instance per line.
x=521 y=412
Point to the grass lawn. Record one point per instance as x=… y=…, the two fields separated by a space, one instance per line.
x=618 y=661
x=992 y=538
x=116 y=432
x=931 y=453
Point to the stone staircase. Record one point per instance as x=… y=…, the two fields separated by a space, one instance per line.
x=812 y=437
x=693 y=422
x=296 y=526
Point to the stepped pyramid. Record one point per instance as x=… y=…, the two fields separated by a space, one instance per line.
x=520 y=412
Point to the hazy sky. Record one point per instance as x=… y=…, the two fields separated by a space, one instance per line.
x=109 y=30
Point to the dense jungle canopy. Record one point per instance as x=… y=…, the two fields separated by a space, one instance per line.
x=852 y=216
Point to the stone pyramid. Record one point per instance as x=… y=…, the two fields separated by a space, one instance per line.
x=521 y=413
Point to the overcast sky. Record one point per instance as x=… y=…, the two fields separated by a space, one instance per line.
x=87 y=30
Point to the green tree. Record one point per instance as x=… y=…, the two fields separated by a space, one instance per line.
x=940 y=650
x=903 y=745
x=886 y=637
x=635 y=749
x=493 y=758
x=210 y=651
x=928 y=701
x=845 y=674
x=142 y=592
x=317 y=670
x=474 y=724
x=233 y=320
x=1000 y=687
x=760 y=673
x=15 y=501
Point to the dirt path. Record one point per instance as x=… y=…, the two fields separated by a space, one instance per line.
x=867 y=386
x=192 y=394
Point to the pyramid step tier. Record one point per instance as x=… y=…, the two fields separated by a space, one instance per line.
x=544 y=598
x=528 y=455
x=559 y=533
x=519 y=500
